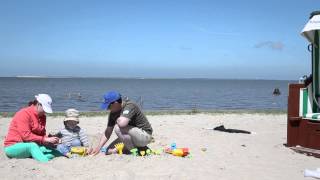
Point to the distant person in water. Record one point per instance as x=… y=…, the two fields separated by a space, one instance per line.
x=130 y=124
x=276 y=92
x=27 y=132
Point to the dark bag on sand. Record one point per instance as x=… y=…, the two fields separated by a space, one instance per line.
x=223 y=129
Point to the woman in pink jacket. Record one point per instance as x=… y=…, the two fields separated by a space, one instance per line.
x=27 y=132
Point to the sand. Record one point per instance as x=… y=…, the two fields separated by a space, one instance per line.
x=261 y=155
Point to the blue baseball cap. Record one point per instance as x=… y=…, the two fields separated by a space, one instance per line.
x=109 y=98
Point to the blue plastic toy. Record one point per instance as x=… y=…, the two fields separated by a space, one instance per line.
x=173 y=146
x=103 y=149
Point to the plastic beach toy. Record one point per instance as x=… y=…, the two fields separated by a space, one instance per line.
x=157 y=152
x=149 y=151
x=119 y=147
x=104 y=150
x=181 y=152
x=173 y=146
x=82 y=151
x=142 y=153
x=134 y=151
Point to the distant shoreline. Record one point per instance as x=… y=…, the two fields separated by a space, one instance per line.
x=143 y=78
x=168 y=112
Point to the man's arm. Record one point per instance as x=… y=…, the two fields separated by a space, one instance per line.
x=108 y=132
x=122 y=121
x=127 y=114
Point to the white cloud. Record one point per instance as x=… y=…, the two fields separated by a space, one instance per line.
x=270 y=44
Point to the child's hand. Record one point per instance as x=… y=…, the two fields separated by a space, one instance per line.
x=89 y=150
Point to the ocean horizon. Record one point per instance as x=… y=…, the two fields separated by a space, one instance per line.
x=85 y=93
x=117 y=77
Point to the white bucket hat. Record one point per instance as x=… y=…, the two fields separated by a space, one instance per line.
x=46 y=101
x=72 y=115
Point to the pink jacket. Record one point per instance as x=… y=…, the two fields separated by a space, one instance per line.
x=26 y=126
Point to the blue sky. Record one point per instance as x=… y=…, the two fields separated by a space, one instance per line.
x=158 y=39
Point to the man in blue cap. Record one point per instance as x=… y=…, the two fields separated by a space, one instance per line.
x=130 y=124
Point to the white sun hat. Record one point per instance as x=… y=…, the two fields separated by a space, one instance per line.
x=72 y=114
x=46 y=101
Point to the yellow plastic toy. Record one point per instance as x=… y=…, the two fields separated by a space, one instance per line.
x=157 y=152
x=142 y=153
x=82 y=151
x=119 y=147
x=177 y=152
x=182 y=152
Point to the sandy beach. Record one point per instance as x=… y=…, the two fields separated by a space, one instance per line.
x=260 y=155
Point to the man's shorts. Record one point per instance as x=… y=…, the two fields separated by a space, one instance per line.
x=139 y=137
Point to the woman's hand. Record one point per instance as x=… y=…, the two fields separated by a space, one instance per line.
x=51 y=140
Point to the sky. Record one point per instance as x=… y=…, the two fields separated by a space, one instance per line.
x=155 y=39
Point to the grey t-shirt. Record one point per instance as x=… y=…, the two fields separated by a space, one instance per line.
x=134 y=114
